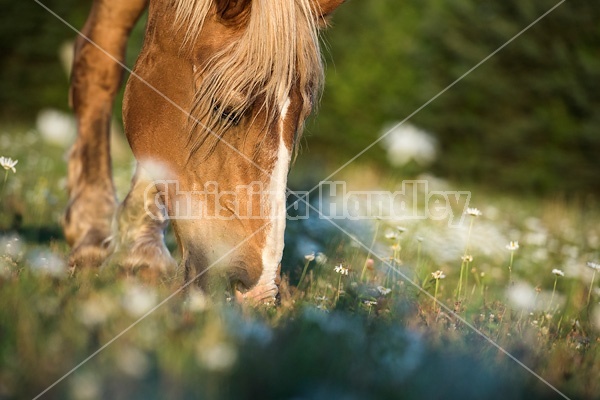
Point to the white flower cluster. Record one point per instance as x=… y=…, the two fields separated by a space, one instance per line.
x=512 y=246
x=383 y=290
x=341 y=270
x=594 y=266
x=438 y=275
x=474 y=212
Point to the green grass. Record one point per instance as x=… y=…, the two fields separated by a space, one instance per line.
x=335 y=336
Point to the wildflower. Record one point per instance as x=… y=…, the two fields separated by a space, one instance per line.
x=594 y=266
x=400 y=229
x=438 y=275
x=557 y=273
x=308 y=258
x=512 y=246
x=196 y=301
x=47 y=263
x=383 y=290
x=467 y=258
x=96 y=310
x=370 y=303
x=321 y=258
x=8 y=163
x=85 y=385
x=133 y=362
x=474 y=212
x=218 y=357
x=391 y=235
x=341 y=270
x=137 y=299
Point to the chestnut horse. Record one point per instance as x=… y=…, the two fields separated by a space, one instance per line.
x=218 y=95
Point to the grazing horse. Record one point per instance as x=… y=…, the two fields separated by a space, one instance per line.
x=216 y=102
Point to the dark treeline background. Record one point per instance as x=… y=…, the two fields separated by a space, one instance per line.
x=527 y=120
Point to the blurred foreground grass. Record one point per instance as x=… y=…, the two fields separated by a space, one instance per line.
x=373 y=333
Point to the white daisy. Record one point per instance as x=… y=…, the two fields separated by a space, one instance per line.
x=467 y=258
x=558 y=272
x=383 y=290
x=512 y=246
x=438 y=275
x=474 y=212
x=593 y=265
x=8 y=163
x=341 y=270
x=391 y=235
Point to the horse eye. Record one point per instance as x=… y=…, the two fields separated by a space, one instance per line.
x=227 y=115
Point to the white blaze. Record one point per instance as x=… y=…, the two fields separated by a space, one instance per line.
x=273 y=251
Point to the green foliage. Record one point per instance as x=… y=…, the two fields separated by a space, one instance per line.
x=368 y=80
x=31 y=74
x=523 y=120
x=527 y=117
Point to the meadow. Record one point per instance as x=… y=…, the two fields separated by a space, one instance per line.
x=402 y=309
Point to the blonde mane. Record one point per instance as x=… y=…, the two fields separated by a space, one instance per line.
x=277 y=51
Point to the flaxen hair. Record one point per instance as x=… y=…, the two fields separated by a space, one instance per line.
x=276 y=51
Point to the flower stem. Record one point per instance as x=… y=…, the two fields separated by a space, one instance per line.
x=553 y=291
x=4 y=182
x=418 y=269
x=460 y=280
x=462 y=266
x=337 y=296
x=469 y=236
x=467 y=272
x=362 y=274
x=512 y=256
x=303 y=273
x=437 y=284
x=591 y=286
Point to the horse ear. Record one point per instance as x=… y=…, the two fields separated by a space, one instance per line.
x=230 y=9
x=326 y=7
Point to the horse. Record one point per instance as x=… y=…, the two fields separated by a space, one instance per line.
x=216 y=102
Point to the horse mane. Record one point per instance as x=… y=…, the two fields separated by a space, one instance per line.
x=276 y=51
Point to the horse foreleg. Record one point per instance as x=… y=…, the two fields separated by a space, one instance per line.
x=140 y=224
x=95 y=81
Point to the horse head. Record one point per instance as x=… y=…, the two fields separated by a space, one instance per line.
x=213 y=112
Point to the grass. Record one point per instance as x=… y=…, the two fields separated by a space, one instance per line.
x=377 y=332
